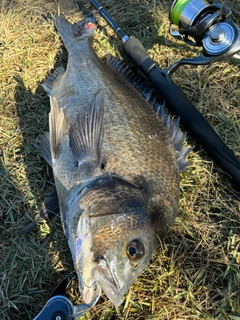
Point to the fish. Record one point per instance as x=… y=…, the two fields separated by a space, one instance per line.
x=116 y=156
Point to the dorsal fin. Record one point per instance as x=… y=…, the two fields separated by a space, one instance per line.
x=86 y=134
x=56 y=118
x=171 y=124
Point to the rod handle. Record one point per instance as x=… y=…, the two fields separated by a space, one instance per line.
x=135 y=51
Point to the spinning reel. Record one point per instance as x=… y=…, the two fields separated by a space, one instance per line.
x=202 y=24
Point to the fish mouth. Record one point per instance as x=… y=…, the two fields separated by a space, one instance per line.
x=91 y=295
x=101 y=276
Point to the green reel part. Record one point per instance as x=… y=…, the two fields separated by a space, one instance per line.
x=177 y=10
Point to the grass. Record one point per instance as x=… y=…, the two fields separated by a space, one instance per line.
x=195 y=272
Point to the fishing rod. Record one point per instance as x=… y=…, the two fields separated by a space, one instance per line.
x=205 y=24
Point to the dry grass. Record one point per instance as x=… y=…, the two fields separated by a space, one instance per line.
x=195 y=272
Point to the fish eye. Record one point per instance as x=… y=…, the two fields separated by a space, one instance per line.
x=135 y=250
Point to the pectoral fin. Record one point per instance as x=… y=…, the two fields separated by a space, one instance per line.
x=86 y=134
x=56 y=118
x=48 y=208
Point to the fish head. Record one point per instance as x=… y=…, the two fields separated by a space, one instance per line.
x=121 y=239
x=128 y=253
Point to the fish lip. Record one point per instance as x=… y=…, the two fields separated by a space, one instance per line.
x=90 y=294
x=86 y=290
x=101 y=276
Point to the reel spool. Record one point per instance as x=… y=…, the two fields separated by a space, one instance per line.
x=185 y=12
x=206 y=25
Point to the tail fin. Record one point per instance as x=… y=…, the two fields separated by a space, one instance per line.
x=65 y=29
x=72 y=32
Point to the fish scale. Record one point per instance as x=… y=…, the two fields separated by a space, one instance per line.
x=131 y=127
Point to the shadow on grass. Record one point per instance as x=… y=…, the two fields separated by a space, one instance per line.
x=34 y=263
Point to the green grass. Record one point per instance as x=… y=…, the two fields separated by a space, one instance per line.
x=195 y=272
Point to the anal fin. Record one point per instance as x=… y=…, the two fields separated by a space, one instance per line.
x=43 y=145
x=86 y=134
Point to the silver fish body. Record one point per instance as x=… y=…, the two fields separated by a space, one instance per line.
x=115 y=167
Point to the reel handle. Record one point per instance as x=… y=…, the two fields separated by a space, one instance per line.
x=208 y=26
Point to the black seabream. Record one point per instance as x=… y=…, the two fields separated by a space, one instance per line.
x=116 y=166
